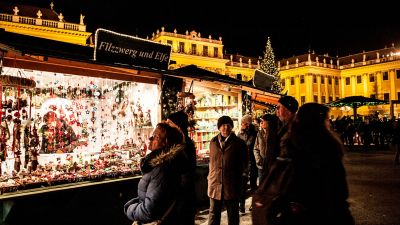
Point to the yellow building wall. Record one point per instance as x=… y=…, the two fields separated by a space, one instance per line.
x=309 y=88
x=365 y=88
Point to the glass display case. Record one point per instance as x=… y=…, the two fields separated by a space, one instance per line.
x=66 y=128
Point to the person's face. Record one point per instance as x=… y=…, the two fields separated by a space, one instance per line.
x=283 y=113
x=225 y=130
x=244 y=125
x=157 y=140
x=264 y=124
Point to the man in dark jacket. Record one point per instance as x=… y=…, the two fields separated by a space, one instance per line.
x=248 y=134
x=286 y=110
x=228 y=160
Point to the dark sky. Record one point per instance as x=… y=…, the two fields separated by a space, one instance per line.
x=335 y=27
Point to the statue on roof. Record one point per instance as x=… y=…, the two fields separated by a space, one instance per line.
x=81 y=21
x=16 y=10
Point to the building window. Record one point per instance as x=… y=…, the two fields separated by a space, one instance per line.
x=301 y=79
x=398 y=95
x=385 y=76
x=359 y=79
x=336 y=81
x=292 y=81
x=398 y=74
x=322 y=99
x=373 y=96
x=169 y=42
x=215 y=52
x=182 y=47
x=330 y=80
x=302 y=100
x=347 y=80
x=194 y=49
x=330 y=98
x=322 y=80
x=205 y=50
x=316 y=98
x=314 y=79
x=283 y=83
x=386 y=96
x=371 y=77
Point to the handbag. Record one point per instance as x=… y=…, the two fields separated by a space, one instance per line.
x=270 y=206
x=159 y=221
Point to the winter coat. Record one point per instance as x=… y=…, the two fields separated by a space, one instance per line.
x=249 y=136
x=186 y=203
x=319 y=184
x=226 y=167
x=158 y=188
x=260 y=148
x=275 y=149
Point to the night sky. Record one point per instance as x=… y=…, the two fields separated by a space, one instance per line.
x=338 y=28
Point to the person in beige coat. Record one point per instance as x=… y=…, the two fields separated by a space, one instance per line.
x=228 y=160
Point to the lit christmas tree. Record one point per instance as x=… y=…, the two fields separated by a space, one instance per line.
x=268 y=66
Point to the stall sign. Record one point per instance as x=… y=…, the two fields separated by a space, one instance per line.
x=112 y=47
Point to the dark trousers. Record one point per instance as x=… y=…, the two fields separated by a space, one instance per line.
x=232 y=208
x=243 y=191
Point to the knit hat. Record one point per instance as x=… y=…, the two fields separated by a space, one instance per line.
x=180 y=118
x=289 y=102
x=224 y=120
x=247 y=119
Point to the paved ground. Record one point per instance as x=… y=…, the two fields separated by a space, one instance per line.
x=374 y=184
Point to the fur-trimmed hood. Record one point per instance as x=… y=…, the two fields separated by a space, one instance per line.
x=160 y=157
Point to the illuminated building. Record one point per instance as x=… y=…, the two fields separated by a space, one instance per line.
x=321 y=78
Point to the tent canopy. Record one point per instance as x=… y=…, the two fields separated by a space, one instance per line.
x=355 y=102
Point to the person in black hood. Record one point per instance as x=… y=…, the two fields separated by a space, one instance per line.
x=159 y=186
x=187 y=199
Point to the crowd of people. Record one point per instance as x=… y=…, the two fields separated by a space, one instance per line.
x=366 y=131
x=292 y=162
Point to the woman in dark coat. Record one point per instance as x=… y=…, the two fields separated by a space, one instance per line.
x=159 y=186
x=320 y=187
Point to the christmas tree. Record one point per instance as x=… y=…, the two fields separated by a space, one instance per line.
x=268 y=66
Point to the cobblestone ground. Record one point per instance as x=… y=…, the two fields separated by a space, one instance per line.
x=374 y=184
x=245 y=219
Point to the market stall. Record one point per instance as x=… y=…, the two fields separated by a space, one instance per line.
x=206 y=96
x=70 y=122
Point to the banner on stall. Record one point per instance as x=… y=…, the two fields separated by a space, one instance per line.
x=116 y=48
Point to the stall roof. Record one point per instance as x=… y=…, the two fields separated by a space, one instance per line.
x=192 y=71
x=24 y=44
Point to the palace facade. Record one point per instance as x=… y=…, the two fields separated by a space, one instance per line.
x=309 y=77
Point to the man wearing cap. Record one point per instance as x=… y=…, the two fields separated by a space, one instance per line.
x=285 y=110
x=228 y=160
